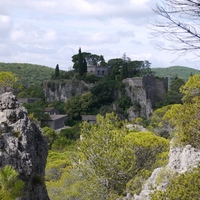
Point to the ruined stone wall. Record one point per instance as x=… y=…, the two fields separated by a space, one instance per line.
x=145 y=91
x=156 y=88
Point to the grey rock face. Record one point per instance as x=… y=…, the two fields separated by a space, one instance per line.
x=63 y=90
x=180 y=160
x=23 y=146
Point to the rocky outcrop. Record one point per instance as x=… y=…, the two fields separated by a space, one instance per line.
x=180 y=160
x=137 y=93
x=145 y=92
x=61 y=90
x=22 y=146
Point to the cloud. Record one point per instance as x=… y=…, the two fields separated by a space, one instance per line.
x=5 y=25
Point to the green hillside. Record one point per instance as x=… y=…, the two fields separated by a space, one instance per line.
x=29 y=74
x=180 y=71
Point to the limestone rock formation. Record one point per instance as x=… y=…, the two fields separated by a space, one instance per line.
x=145 y=92
x=136 y=92
x=22 y=146
x=180 y=160
x=63 y=89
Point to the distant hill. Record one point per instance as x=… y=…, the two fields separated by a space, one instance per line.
x=29 y=74
x=180 y=71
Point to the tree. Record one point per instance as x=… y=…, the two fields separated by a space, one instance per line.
x=174 y=94
x=11 y=187
x=7 y=80
x=104 y=155
x=180 y=24
x=84 y=66
x=80 y=63
x=57 y=72
x=186 y=118
x=114 y=156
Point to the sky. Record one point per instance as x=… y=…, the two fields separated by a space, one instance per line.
x=50 y=32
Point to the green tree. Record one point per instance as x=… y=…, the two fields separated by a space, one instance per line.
x=186 y=117
x=103 y=154
x=31 y=92
x=184 y=186
x=57 y=72
x=80 y=63
x=114 y=156
x=84 y=66
x=7 y=80
x=50 y=135
x=11 y=187
x=37 y=109
x=191 y=88
x=78 y=105
x=174 y=94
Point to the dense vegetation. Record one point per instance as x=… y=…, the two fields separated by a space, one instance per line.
x=171 y=72
x=28 y=74
x=111 y=160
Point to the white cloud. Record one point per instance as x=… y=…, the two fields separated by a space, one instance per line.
x=49 y=32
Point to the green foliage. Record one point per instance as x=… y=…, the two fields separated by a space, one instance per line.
x=57 y=72
x=72 y=133
x=50 y=135
x=62 y=144
x=28 y=74
x=185 y=118
x=103 y=92
x=158 y=124
x=174 y=94
x=11 y=187
x=37 y=109
x=58 y=105
x=182 y=72
x=183 y=186
x=31 y=92
x=191 y=89
x=7 y=80
x=57 y=163
x=79 y=105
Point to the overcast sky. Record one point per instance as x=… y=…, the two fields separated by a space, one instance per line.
x=50 y=32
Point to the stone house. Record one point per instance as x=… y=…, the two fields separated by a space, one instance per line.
x=52 y=111
x=54 y=121
x=99 y=71
x=91 y=119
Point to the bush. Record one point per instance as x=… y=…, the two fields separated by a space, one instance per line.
x=183 y=186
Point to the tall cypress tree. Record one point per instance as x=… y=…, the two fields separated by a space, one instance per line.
x=80 y=62
x=57 y=71
x=84 y=66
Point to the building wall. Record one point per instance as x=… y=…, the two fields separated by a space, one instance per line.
x=156 y=88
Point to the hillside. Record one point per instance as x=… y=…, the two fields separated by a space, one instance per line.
x=29 y=74
x=180 y=71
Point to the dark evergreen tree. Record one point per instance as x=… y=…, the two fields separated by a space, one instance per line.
x=124 y=71
x=57 y=71
x=80 y=62
x=84 y=66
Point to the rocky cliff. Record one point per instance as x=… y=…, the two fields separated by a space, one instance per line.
x=136 y=92
x=145 y=93
x=181 y=159
x=22 y=146
x=61 y=90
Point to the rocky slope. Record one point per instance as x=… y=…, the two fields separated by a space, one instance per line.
x=61 y=90
x=23 y=146
x=180 y=160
